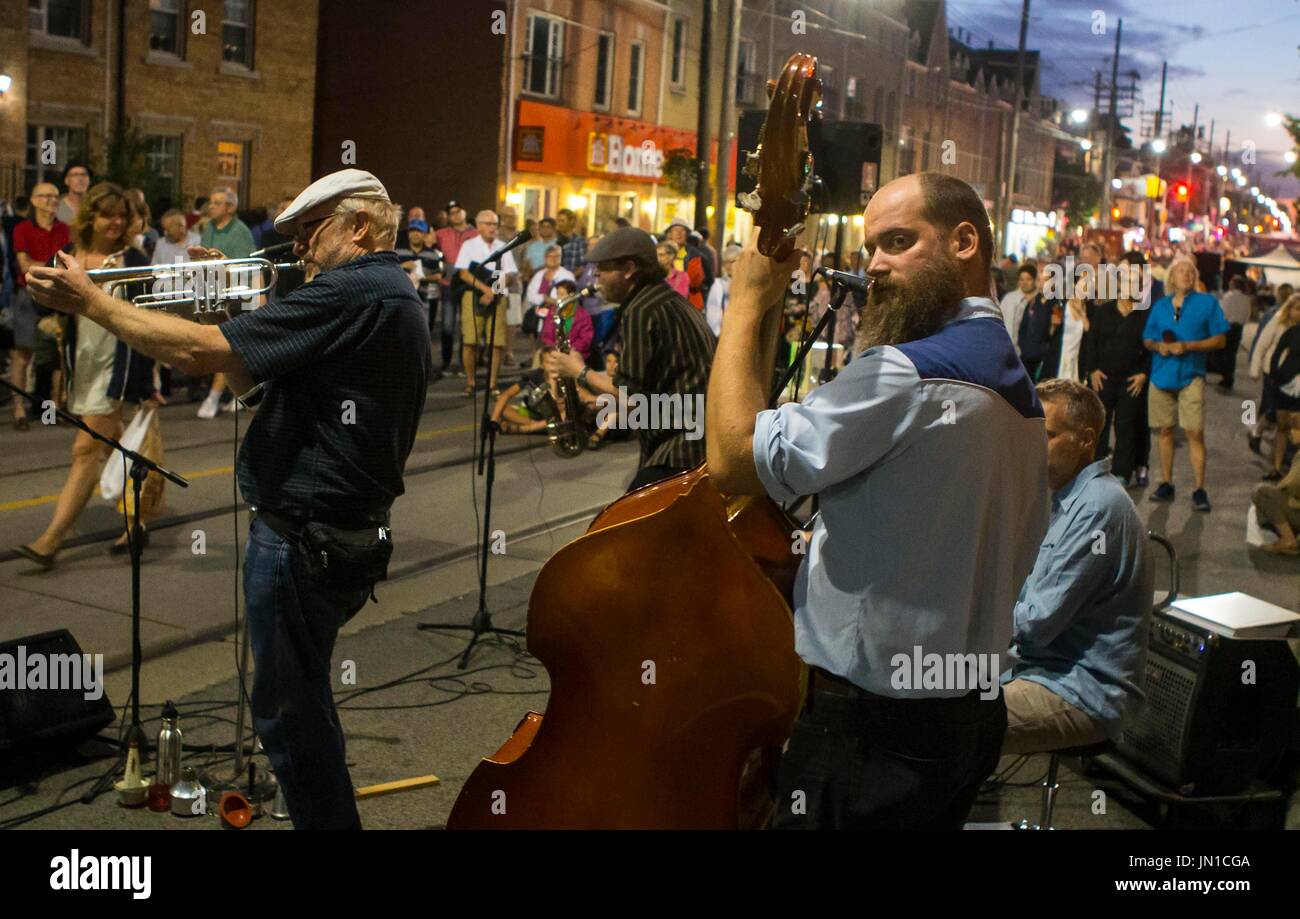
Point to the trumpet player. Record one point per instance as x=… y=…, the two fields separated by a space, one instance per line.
x=345 y=364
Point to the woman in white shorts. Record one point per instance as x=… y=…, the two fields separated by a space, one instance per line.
x=104 y=373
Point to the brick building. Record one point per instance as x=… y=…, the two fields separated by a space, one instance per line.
x=221 y=89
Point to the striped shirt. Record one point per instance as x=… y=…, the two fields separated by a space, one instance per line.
x=667 y=351
x=346 y=363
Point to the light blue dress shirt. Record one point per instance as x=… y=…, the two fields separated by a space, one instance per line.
x=1081 y=620
x=930 y=462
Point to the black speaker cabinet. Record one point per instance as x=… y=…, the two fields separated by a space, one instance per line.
x=846 y=154
x=33 y=717
x=1202 y=729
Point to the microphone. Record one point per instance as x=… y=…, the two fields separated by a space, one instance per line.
x=844 y=279
x=272 y=250
x=520 y=238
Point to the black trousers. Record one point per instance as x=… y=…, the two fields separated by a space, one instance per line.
x=1228 y=355
x=888 y=764
x=1127 y=416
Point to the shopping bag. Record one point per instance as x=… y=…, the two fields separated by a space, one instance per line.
x=151 y=490
x=113 y=478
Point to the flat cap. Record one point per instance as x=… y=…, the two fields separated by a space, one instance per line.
x=624 y=243
x=320 y=198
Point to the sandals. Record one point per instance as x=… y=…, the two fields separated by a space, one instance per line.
x=46 y=562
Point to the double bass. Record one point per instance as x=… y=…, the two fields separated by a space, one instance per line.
x=667 y=627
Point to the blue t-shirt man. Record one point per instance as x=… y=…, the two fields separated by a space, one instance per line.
x=1199 y=318
x=1180 y=336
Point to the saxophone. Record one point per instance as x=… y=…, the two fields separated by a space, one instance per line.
x=567 y=434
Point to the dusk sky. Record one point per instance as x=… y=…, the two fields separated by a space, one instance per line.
x=1239 y=60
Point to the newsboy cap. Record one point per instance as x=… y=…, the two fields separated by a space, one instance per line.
x=320 y=198
x=624 y=243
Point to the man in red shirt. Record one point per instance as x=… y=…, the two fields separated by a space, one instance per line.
x=450 y=239
x=35 y=242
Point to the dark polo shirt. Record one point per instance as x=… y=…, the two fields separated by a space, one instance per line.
x=346 y=362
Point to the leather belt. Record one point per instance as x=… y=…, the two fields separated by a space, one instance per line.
x=829 y=683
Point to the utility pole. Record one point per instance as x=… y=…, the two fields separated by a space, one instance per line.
x=726 y=129
x=702 y=143
x=1108 y=159
x=1160 y=112
x=1008 y=195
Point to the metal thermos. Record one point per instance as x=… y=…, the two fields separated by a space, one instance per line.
x=169 y=747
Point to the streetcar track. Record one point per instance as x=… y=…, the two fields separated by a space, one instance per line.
x=174 y=520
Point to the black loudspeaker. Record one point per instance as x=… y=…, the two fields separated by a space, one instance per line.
x=1201 y=728
x=848 y=161
x=846 y=154
x=56 y=709
x=751 y=126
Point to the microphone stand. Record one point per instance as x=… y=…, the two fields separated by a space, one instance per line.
x=837 y=300
x=141 y=466
x=486 y=459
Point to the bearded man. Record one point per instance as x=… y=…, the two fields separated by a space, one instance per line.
x=928 y=454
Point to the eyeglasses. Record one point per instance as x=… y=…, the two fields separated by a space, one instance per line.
x=43 y=197
x=307 y=234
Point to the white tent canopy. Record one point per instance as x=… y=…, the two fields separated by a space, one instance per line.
x=1280 y=266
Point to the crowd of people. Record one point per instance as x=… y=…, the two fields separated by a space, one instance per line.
x=1147 y=347
x=1145 y=352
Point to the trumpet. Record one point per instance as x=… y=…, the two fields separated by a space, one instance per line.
x=208 y=286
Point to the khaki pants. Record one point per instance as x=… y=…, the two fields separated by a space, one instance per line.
x=1038 y=720
x=474 y=328
x=1182 y=407
x=1274 y=504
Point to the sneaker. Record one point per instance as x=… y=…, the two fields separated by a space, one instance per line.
x=1253 y=442
x=211 y=405
x=1142 y=479
x=1200 y=500
x=1164 y=493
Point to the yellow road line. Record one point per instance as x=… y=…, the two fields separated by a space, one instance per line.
x=221 y=470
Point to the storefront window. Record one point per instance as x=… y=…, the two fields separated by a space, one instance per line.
x=609 y=208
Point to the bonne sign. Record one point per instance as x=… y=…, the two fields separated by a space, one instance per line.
x=611 y=153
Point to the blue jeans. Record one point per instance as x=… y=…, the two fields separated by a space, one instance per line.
x=293 y=625
x=449 y=325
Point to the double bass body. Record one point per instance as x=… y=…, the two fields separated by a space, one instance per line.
x=667 y=633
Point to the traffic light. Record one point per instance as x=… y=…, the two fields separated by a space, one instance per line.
x=1181 y=191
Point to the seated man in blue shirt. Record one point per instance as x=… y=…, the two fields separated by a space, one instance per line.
x=1183 y=327
x=900 y=619
x=1080 y=623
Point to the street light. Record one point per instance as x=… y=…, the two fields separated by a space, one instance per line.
x=1236 y=172
x=1087 y=145
x=1079 y=116
x=1195 y=157
x=1158 y=145
x=1222 y=170
x=1254 y=190
x=1289 y=156
x=1273 y=119
x=1116 y=184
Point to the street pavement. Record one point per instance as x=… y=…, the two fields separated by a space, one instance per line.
x=434 y=719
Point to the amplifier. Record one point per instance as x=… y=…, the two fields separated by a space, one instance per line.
x=1218 y=711
x=52 y=707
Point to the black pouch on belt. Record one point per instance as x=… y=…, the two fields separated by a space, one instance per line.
x=345 y=558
